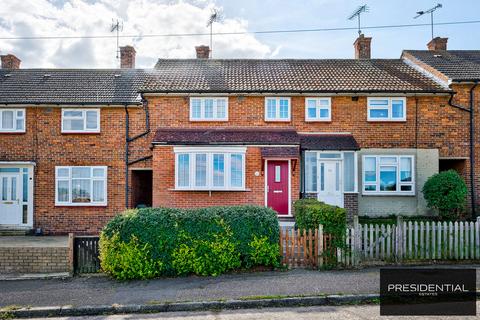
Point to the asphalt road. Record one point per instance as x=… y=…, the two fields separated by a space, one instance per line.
x=81 y=291
x=327 y=313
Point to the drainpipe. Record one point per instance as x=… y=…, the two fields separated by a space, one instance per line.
x=472 y=143
x=129 y=139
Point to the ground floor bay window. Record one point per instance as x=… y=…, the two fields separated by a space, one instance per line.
x=329 y=175
x=210 y=169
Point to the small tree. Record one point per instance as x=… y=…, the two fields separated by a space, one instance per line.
x=446 y=192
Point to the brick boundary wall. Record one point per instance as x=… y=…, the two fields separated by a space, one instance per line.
x=34 y=260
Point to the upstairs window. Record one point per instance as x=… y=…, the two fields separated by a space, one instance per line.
x=81 y=186
x=388 y=174
x=318 y=109
x=210 y=169
x=277 y=109
x=80 y=120
x=12 y=120
x=387 y=109
x=208 y=109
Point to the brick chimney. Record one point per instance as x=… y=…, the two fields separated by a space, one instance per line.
x=203 y=52
x=127 y=57
x=437 y=43
x=9 y=61
x=362 y=47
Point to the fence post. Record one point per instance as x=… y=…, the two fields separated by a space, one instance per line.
x=320 y=246
x=71 y=262
x=356 y=241
x=399 y=240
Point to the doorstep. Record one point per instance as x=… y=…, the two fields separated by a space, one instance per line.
x=286 y=221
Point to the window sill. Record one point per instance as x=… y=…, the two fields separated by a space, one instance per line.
x=386 y=120
x=208 y=120
x=318 y=120
x=213 y=190
x=80 y=132
x=280 y=120
x=12 y=132
x=393 y=194
x=81 y=205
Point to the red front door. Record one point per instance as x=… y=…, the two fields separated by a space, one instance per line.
x=277 y=186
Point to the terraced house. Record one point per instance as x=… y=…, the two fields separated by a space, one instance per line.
x=79 y=146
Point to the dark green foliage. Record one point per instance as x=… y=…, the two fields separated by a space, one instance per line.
x=446 y=192
x=207 y=241
x=310 y=213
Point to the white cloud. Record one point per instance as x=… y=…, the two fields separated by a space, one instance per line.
x=140 y=17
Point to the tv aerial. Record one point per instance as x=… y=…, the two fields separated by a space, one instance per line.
x=357 y=13
x=215 y=16
x=431 y=11
x=117 y=26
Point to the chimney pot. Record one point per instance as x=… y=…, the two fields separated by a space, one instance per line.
x=127 y=57
x=9 y=61
x=203 y=52
x=362 y=47
x=437 y=43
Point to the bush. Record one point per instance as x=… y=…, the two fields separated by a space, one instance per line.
x=446 y=192
x=207 y=241
x=310 y=213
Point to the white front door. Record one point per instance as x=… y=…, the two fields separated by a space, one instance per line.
x=330 y=182
x=10 y=199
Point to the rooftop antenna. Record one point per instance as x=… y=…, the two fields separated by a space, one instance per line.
x=357 y=13
x=431 y=11
x=117 y=26
x=215 y=16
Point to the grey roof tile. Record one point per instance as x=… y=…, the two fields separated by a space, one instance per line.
x=457 y=65
x=288 y=75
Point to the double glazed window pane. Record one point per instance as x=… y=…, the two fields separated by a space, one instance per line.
x=62 y=190
x=196 y=109
x=378 y=113
x=80 y=120
x=283 y=108
x=7 y=119
x=221 y=109
x=208 y=108
x=218 y=170
x=349 y=171
x=370 y=169
x=397 y=109
x=271 y=109
x=81 y=190
x=183 y=170
x=91 y=119
x=201 y=170
x=236 y=170
x=98 y=190
x=311 y=172
x=388 y=178
x=405 y=169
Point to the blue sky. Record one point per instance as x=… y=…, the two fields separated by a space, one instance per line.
x=80 y=17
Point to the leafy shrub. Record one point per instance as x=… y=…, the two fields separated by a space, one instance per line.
x=264 y=252
x=310 y=213
x=207 y=241
x=127 y=260
x=446 y=192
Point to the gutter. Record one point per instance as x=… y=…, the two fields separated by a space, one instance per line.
x=472 y=142
x=129 y=139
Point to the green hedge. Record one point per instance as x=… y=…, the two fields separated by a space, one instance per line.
x=151 y=242
x=310 y=213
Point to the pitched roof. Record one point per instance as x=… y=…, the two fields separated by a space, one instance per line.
x=255 y=136
x=70 y=86
x=288 y=75
x=225 y=136
x=457 y=65
x=328 y=142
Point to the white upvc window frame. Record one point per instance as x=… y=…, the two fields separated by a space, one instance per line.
x=320 y=156
x=277 y=109
x=389 y=108
x=318 y=108
x=210 y=152
x=70 y=189
x=16 y=117
x=397 y=164
x=202 y=109
x=83 y=117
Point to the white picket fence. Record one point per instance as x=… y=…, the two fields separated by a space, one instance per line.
x=410 y=241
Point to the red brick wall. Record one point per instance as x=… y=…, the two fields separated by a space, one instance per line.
x=164 y=183
x=48 y=147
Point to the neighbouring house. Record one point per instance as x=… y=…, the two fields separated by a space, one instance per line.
x=79 y=146
x=460 y=71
